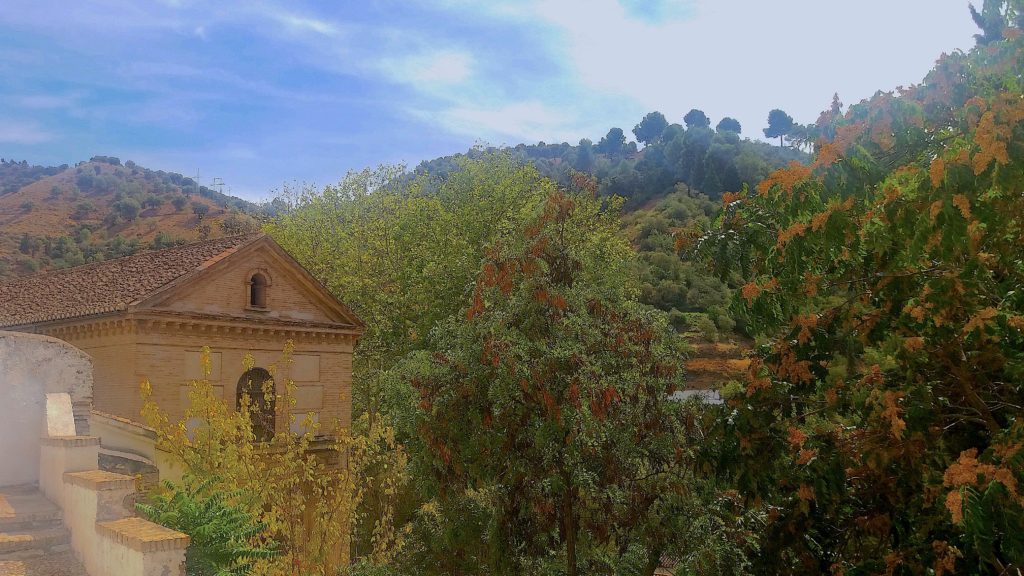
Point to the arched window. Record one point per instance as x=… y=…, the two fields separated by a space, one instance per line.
x=256 y=390
x=258 y=291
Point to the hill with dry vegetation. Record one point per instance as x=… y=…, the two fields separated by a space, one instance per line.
x=56 y=217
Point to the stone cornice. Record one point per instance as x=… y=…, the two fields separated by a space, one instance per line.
x=78 y=328
x=160 y=322
x=201 y=325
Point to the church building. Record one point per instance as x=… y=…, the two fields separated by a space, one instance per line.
x=148 y=317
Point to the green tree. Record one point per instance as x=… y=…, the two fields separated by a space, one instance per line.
x=696 y=119
x=550 y=392
x=200 y=209
x=128 y=208
x=179 y=202
x=82 y=210
x=994 y=17
x=401 y=252
x=649 y=129
x=613 y=143
x=728 y=124
x=584 y=155
x=779 y=125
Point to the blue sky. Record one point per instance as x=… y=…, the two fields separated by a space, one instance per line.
x=262 y=93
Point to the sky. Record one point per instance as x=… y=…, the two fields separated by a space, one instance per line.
x=263 y=93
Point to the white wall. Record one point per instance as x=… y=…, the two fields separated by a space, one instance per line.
x=30 y=367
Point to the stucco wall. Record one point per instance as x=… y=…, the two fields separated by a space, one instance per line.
x=30 y=367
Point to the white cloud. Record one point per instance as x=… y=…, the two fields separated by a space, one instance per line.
x=529 y=121
x=305 y=23
x=430 y=69
x=736 y=58
x=15 y=132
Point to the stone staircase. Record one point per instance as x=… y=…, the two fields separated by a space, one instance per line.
x=33 y=538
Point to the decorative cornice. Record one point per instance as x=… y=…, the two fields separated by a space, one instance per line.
x=195 y=324
x=160 y=322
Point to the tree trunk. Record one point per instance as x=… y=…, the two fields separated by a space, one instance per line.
x=569 y=522
x=653 y=561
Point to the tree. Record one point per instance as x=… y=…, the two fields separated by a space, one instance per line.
x=649 y=129
x=550 y=392
x=995 y=16
x=200 y=209
x=613 y=143
x=881 y=419
x=696 y=119
x=152 y=201
x=273 y=487
x=779 y=125
x=82 y=210
x=128 y=208
x=728 y=124
x=179 y=202
x=584 y=155
x=401 y=251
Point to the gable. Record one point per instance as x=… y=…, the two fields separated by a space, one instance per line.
x=224 y=289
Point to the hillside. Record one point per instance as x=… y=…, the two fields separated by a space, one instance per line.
x=692 y=156
x=54 y=217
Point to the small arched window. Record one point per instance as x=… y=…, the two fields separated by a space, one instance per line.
x=258 y=291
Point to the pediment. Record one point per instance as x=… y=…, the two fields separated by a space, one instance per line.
x=223 y=288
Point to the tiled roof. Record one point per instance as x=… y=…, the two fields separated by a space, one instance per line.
x=107 y=286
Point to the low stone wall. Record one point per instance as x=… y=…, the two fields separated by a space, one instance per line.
x=99 y=512
x=31 y=366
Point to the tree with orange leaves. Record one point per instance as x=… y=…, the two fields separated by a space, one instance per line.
x=883 y=420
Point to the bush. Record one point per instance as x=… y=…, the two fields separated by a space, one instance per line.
x=128 y=209
x=199 y=209
x=221 y=532
x=179 y=203
x=27 y=206
x=82 y=210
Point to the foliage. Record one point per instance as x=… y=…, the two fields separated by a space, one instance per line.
x=676 y=285
x=613 y=144
x=779 y=125
x=696 y=119
x=289 y=479
x=728 y=124
x=403 y=252
x=222 y=533
x=881 y=421
x=547 y=397
x=199 y=209
x=698 y=158
x=16 y=175
x=650 y=128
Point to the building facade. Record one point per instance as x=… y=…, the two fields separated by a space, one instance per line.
x=147 y=317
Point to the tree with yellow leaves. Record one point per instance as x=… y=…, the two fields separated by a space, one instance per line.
x=306 y=491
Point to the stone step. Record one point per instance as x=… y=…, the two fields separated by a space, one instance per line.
x=24 y=507
x=56 y=564
x=54 y=538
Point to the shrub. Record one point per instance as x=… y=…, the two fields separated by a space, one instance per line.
x=225 y=538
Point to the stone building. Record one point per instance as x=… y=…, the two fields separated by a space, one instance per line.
x=148 y=316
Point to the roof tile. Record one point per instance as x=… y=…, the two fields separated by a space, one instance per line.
x=108 y=286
